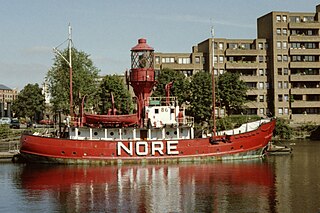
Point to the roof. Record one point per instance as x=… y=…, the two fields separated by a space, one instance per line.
x=3 y=87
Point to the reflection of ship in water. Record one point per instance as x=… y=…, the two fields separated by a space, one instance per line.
x=155 y=188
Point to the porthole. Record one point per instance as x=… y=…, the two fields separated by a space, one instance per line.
x=167 y=133
x=74 y=153
x=95 y=133
x=241 y=147
x=111 y=133
x=62 y=152
x=232 y=148
x=79 y=132
x=175 y=132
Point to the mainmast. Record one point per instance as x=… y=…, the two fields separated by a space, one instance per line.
x=69 y=62
x=214 y=129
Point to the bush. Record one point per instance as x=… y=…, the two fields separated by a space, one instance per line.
x=283 y=130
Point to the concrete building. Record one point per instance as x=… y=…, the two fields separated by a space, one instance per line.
x=7 y=96
x=281 y=67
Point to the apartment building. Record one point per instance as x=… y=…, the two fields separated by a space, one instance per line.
x=294 y=55
x=281 y=67
x=7 y=96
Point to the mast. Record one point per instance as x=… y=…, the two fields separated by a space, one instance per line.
x=70 y=70
x=213 y=87
x=69 y=62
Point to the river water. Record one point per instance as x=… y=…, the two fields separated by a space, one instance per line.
x=286 y=183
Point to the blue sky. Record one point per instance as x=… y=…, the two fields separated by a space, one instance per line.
x=107 y=30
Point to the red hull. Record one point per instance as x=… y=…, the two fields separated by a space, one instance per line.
x=70 y=151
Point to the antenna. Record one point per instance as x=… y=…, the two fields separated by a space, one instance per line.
x=213 y=86
x=69 y=62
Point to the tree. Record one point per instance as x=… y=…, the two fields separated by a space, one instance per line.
x=180 y=85
x=201 y=97
x=30 y=102
x=84 y=80
x=231 y=91
x=122 y=99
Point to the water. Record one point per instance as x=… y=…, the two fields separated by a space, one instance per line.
x=277 y=184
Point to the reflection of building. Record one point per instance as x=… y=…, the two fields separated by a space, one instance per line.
x=7 y=96
x=281 y=67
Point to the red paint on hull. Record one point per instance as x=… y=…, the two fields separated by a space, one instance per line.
x=70 y=151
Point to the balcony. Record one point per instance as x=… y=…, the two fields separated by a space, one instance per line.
x=301 y=118
x=253 y=78
x=302 y=77
x=303 y=64
x=301 y=51
x=302 y=91
x=304 y=38
x=176 y=66
x=244 y=65
x=304 y=25
x=244 y=52
x=254 y=105
x=305 y=104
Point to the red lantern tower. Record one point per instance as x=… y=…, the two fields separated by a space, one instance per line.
x=142 y=74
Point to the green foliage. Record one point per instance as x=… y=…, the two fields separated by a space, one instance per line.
x=180 y=85
x=122 y=99
x=30 y=102
x=200 y=97
x=4 y=131
x=283 y=130
x=7 y=133
x=231 y=91
x=84 y=75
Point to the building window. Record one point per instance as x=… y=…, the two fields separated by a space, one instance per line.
x=157 y=60
x=278 y=18
x=261 y=72
x=221 y=71
x=280 y=98
x=220 y=46
x=286 y=111
x=220 y=59
x=278 y=44
x=197 y=60
x=215 y=59
x=187 y=73
x=284 y=45
x=260 y=59
x=261 y=85
x=215 y=71
x=279 y=71
x=261 y=111
x=183 y=60
x=168 y=60
x=260 y=46
x=285 y=85
x=278 y=31
x=280 y=111
x=279 y=58
x=261 y=98
x=267 y=85
x=284 y=18
x=203 y=60
x=286 y=97
x=284 y=31
x=279 y=84
x=285 y=58
x=285 y=71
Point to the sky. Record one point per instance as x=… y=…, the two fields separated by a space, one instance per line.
x=107 y=30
